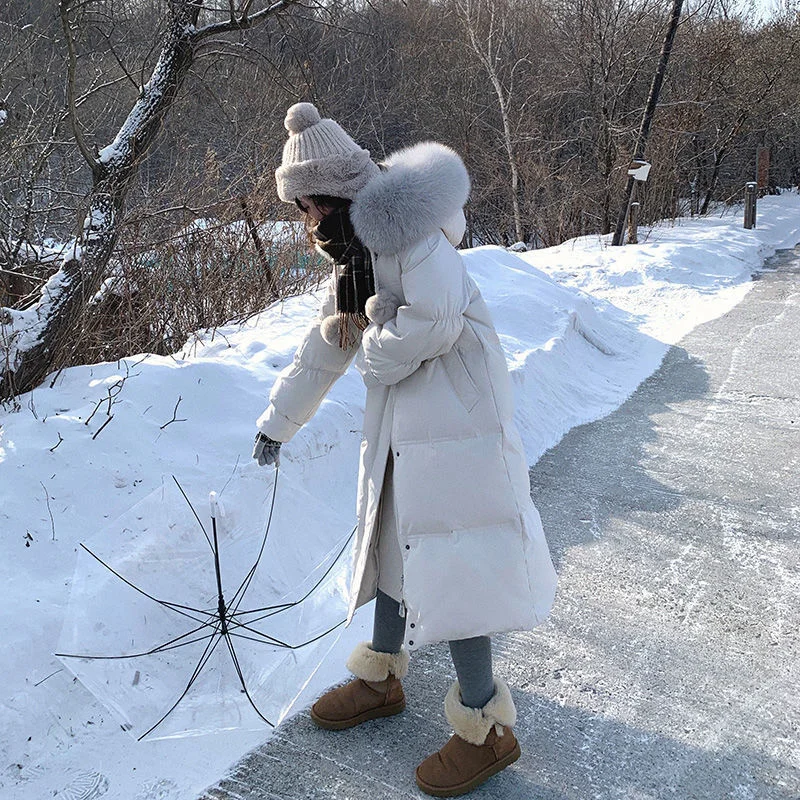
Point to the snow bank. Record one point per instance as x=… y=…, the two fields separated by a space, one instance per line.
x=582 y=324
x=679 y=276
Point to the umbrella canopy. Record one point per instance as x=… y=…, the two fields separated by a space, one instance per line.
x=198 y=612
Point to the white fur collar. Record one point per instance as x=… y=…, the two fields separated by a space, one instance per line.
x=420 y=192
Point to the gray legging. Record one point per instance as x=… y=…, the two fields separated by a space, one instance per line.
x=472 y=657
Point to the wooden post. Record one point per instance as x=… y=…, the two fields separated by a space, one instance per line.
x=633 y=223
x=750 y=195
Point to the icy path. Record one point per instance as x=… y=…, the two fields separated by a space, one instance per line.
x=670 y=665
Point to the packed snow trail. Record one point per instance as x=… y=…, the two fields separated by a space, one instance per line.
x=669 y=667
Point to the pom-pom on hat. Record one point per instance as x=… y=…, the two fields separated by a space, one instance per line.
x=320 y=158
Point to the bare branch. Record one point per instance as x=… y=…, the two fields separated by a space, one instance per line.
x=174 y=415
x=243 y=21
x=63 y=10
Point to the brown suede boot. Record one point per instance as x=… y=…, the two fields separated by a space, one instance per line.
x=482 y=746
x=376 y=691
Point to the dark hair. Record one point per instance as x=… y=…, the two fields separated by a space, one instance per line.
x=321 y=200
x=324 y=200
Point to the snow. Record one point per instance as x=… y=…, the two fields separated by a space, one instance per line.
x=271 y=231
x=22 y=330
x=96 y=224
x=111 y=152
x=50 y=252
x=582 y=325
x=3 y=117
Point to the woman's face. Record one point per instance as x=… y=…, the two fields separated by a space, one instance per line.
x=316 y=212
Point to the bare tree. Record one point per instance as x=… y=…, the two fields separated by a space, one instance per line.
x=543 y=98
x=37 y=337
x=649 y=111
x=486 y=31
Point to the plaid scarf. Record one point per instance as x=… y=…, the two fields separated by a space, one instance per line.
x=355 y=281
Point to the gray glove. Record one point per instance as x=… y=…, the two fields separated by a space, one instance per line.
x=267 y=450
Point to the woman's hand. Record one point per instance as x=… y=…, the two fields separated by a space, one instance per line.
x=266 y=450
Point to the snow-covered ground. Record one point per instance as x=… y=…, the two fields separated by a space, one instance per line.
x=582 y=324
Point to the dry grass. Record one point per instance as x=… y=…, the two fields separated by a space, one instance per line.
x=206 y=276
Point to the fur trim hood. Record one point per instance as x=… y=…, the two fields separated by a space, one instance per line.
x=420 y=191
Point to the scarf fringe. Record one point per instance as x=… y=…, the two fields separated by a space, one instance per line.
x=347 y=321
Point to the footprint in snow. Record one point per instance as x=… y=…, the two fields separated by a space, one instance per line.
x=158 y=790
x=30 y=772
x=84 y=786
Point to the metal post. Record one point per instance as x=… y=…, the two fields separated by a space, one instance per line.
x=750 y=195
x=633 y=223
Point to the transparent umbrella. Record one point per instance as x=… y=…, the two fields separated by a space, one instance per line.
x=198 y=612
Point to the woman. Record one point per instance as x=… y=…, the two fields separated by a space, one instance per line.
x=448 y=540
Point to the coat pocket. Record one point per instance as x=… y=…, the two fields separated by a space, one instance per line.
x=466 y=583
x=460 y=379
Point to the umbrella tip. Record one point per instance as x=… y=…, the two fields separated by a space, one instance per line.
x=212 y=499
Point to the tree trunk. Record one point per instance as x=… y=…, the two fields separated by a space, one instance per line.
x=649 y=111
x=719 y=157
x=487 y=55
x=508 y=141
x=40 y=347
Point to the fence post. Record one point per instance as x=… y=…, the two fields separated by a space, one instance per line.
x=750 y=195
x=633 y=223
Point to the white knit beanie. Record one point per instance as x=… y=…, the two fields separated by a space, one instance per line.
x=320 y=158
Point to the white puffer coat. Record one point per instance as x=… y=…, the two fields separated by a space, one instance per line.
x=475 y=560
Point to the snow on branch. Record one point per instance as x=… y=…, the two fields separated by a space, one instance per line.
x=34 y=339
x=22 y=330
x=121 y=151
x=243 y=21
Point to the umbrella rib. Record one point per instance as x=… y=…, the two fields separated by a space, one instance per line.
x=230 y=477
x=240 y=592
x=285 y=606
x=271 y=639
x=238 y=669
x=207 y=653
x=276 y=608
x=284 y=644
x=173 y=606
x=168 y=645
x=199 y=521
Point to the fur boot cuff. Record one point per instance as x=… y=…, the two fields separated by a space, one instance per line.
x=369 y=665
x=473 y=724
x=380 y=308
